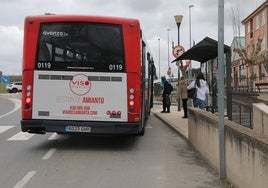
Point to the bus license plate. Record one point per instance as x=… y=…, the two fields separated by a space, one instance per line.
x=77 y=129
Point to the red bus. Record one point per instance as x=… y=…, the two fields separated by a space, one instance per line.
x=85 y=74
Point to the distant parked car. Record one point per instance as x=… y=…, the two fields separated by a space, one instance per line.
x=14 y=87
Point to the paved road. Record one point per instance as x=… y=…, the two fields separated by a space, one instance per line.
x=159 y=159
x=5 y=105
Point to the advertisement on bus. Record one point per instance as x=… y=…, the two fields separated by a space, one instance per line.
x=80 y=96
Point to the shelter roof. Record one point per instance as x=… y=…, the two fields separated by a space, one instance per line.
x=203 y=51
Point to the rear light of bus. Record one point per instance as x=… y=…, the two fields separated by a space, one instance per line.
x=28 y=98
x=133 y=98
x=27 y=94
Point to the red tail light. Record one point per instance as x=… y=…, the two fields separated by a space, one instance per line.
x=133 y=93
x=27 y=94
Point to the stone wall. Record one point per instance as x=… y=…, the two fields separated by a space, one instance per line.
x=260 y=118
x=246 y=150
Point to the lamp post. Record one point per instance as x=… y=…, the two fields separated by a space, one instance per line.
x=168 y=45
x=159 y=55
x=178 y=20
x=190 y=43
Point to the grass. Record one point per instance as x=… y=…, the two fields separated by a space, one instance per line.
x=3 y=88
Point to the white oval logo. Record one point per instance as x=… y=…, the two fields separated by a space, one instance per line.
x=80 y=85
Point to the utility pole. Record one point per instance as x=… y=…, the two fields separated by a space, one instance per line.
x=221 y=89
x=159 y=56
x=190 y=44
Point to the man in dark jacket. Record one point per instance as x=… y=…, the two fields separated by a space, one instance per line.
x=166 y=95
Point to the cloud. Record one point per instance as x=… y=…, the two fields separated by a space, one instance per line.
x=155 y=16
x=11 y=38
x=143 y=6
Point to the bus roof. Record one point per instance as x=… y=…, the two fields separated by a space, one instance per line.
x=86 y=18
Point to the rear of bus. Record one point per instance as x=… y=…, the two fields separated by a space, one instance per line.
x=82 y=74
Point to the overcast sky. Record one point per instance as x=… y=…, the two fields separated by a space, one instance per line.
x=156 y=17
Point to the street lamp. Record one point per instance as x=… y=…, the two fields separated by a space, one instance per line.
x=169 y=69
x=178 y=20
x=168 y=48
x=168 y=44
x=159 y=54
x=190 y=42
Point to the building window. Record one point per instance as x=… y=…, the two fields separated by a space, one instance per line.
x=251 y=28
x=262 y=71
x=263 y=18
x=254 y=71
x=256 y=22
x=263 y=44
x=248 y=28
x=242 y=73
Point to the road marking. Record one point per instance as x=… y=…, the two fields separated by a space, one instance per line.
x=17 y=103
x=49 y=153
x=148 y=126
x=53 y=136
x=25 y=179
x=5 y=128
x=21 y=136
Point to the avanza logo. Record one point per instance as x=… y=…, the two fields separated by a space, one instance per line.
x=80 y=85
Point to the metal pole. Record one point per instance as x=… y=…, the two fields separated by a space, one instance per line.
x=178 y=19
x=159 y=56
x=179 y=102
x=178 y=45
x=168 y=45
x=190 y=43
x=222 y=172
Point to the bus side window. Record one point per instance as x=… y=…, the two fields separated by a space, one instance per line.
x=44 y=53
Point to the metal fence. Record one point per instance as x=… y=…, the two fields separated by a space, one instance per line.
x=260 y=84
x=242 y=114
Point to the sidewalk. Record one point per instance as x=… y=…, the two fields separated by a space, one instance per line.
x=174 y=119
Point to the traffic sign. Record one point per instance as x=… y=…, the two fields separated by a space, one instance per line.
x=5 y=79
x=177 y=51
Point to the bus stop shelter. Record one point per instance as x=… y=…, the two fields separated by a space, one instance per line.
x=206 y=50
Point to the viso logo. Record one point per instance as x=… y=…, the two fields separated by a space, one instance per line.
x=80 y=85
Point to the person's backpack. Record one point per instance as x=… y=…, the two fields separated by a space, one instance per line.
x=170 y=87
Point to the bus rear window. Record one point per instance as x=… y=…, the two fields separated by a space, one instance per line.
x=82 y=46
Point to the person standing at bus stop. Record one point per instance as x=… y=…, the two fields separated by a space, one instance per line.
x=182 y=95
x=166 y=95
x=201 y=91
